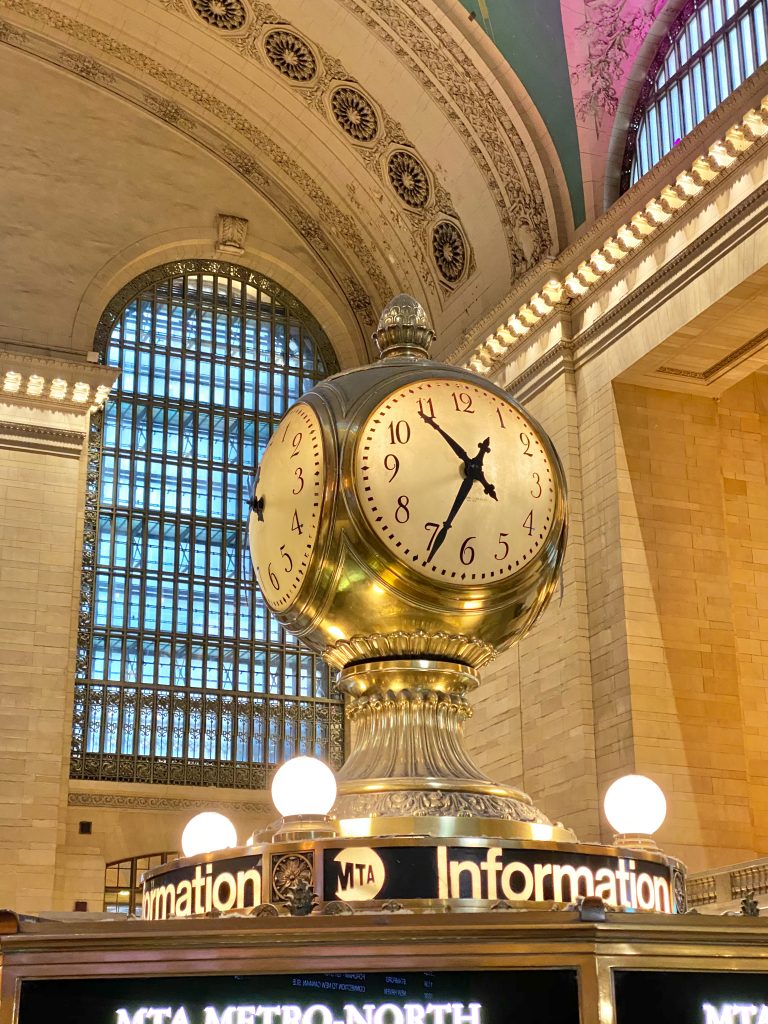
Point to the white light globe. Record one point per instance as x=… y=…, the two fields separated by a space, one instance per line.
x=635 y=805
x=206 y=833
x=303 y=785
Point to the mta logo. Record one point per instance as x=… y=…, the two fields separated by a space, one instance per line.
x=361 y=874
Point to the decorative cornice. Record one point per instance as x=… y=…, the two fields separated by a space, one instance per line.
x=722 y=365
x=44 y=440
x=703 y=174
x=119 y=801
x=67 y=385
x=739 y=223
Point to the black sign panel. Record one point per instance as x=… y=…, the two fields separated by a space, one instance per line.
x=456 y=997
x=691 y=997
x=226 y=883
x=487 y=872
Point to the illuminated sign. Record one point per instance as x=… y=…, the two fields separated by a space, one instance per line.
x=423 y=997
x=692 y=997
x=232 y=883
x=425 y=869
x=488 y=872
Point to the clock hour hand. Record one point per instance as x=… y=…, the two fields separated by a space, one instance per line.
x=257 y=504
x=456 y=447
x=442 y=533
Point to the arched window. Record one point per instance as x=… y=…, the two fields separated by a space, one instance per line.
x=122 y=881
x=712 y=47
x=182 y=674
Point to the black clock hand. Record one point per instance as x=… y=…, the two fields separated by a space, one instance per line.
x=454 y=444
x=257 y=504
x=442 y=533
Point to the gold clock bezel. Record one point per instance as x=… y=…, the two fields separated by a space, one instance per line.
x=296 y=608
x=394 y=570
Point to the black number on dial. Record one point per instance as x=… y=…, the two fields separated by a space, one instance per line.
x=287 y=557
x=426 y=402
x=502 y=544
x=400 y=432
x=462 y=401
x=402 y=512
x=467 y=552
x=295 y=444
x=299 y=481
x=501 y=419
x=296 y=526
x=526 y=444
x=528 y=523
x=392 y=463
x=536 y=492
x=272 y=577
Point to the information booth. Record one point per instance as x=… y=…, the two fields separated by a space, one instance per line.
x=390 y=968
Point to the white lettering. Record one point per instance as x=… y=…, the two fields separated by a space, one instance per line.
x=158 y=1014
x=212 y=1017
x=491 y=867
x=292 y=1014
x=517 y=868
x=325 y=1015
x=575 y=876
x=253 y=877
x=394 y=1012
x=352 y=1015
x=540 y=872
x=714 y=1016
x=745 y=1011
x=646 y=896
x=471 y=1017
x=180 y=1017
x=124 y=1016
x=246 y=1014
x=443 y=889
x=267 y=1013
x=662 y=895
x=439 y=1011
x=414 y=1013
x=476 y=890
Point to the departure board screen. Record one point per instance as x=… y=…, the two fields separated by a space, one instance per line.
x=421 y=997
x=690 y=997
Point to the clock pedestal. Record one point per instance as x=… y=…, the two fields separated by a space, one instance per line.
x=408 y=759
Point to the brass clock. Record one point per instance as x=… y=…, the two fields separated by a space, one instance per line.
x=455 y=481
x=408 y=508
x=283 y=528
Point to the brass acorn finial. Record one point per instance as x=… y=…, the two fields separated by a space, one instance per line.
x=404 y=330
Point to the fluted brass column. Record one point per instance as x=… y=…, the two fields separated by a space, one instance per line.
x=408 y=757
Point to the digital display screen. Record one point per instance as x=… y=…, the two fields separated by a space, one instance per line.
x=690 y=997
x=423 y=997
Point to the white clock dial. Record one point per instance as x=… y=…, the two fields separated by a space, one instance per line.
x=289 y=493
x=455 y=481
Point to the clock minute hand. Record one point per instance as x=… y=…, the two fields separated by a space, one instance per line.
x=442 y=533
x=455 y=446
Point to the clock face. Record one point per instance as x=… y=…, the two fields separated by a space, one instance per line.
x=455 y=481
x=290 y=485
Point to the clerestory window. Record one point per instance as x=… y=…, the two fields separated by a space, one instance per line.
x=182 y=675
x=712 y=47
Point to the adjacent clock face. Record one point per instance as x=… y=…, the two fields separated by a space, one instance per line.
x=290 y=491
x=455 y=481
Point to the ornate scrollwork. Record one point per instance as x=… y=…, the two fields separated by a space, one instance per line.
x=408 y=178
x=228 y=15
x=290 y=55
x=436 y=803
x=354 y=114
x=449 y=251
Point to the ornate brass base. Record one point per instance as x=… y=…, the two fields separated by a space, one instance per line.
x=408 y=760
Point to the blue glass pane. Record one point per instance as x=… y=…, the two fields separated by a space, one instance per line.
x=208 y=367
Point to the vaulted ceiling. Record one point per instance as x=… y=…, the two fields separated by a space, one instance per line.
x=373 y=146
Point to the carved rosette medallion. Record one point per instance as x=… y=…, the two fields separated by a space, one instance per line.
x=354 y=114
x=290 y=55
x=408 y=177
x=228 y=15
x=289 y=871
x=449 y=251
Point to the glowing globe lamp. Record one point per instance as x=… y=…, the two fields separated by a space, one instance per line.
x=635 y=805
x=206 y=833
x=304 y=786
